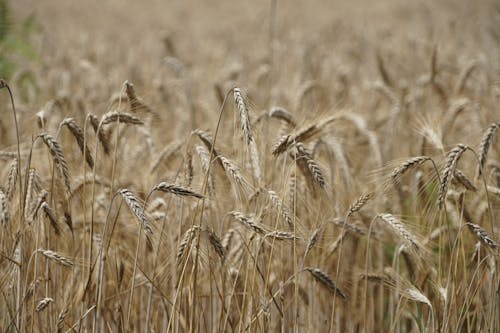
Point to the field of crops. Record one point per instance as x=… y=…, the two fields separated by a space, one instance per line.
x=258 y=166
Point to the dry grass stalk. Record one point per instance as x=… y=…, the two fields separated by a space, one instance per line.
x=12 y=179
x=135 y=207
x=60 y=259
x=4 y=211
x=77 y=132
x=482 y=235
x=58 y=156
x=248 y=222
x=486 y=141
x=43 y=304
x=399 y=228
x=325 y=280
x=449 y=169
x=176 y=189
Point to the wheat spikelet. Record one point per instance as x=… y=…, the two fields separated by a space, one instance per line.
x=482 y=235
x=248 y=222
x=359 y=203
x=301 y=135
x=394 y=281
x=464 y=75
x=309 y=166
x=59 y=160
x=56 y=257
x=254 y=158
x=234 y=174
x=207 y=140
x=325 y=280
x=351 y=227
x=485 y=146
x=244 y=115
x=494 y=190
x=136 y=208
x=121 y=117
x=282 y=114
x=398 y=227
x=185 y=242
x=77 y=132
x=382 y=70
x=32 y=189
x=175 y=189
x=451 y=163
x=51 y=215
x=217 y=244
x=136 y=103
x=60 y=319
x=228 y=239
x=4 y=212
x=464 y=180
x=280 y=235
x=407 y=165
x=312 y=241
x=43 y=304
x=103 y=136
x=166 y=152
x=188 y=168
x=282 y=208
x=12 y=178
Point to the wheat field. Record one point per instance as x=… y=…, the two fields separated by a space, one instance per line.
x=259 y=166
